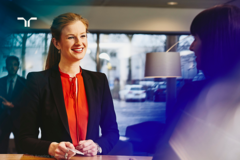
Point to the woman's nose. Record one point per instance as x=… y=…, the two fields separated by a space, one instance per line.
x=78 y=41
x=191 y=48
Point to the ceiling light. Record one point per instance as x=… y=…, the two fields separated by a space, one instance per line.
x=172 y=3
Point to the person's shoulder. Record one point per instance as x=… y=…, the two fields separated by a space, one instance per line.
x=21 y=78
x=3 y=81
x=191 y=89
x=40 y=78
x=195 y=85
x=97 y=78
x=93 y=74
x=3 y=78
x=39 y=74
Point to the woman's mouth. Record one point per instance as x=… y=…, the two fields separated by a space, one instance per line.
x=78 y=50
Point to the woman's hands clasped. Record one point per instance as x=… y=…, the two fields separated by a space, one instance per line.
x=60 y=150
x=88 y=147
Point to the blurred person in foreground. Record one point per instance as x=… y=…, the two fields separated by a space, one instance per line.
x=11 y=88
x=67 y=102
x=204 y=124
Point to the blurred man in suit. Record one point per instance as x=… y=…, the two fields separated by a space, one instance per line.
x=11 y=88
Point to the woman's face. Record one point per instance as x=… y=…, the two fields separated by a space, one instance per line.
x=196 y=48
x=73 y=43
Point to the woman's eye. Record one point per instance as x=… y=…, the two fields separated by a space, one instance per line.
x=83 y=36
x=70 y=37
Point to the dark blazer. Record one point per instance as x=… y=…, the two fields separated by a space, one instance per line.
x=45 y=108
x=16 y=97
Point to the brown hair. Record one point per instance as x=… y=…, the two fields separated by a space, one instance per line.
x=219 y=30
x=58 y=24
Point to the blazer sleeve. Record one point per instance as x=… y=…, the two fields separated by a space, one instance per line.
x=108 y=124
x=30 y=119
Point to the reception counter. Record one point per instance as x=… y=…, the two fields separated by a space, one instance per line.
x=30 y=157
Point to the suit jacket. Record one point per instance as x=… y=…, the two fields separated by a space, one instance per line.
x=16 y=97
x=45 y=108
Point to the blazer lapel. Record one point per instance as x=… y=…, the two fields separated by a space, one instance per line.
x=56 y=87
x=4 y=85
x=88 y=84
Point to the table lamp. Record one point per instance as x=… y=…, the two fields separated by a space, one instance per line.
x=165 y=65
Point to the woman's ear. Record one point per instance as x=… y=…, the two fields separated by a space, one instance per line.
x=56 y=43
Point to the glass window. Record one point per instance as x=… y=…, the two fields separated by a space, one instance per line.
x=34 y=52
x=122 y=59
x=12 y=46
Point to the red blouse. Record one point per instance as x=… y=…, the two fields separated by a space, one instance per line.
x=76 y=106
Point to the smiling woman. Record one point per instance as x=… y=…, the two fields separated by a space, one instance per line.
x=67 y=102
x=72 y=45
x=67 y=28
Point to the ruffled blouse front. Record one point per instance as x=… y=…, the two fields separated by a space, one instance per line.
x=76 y=106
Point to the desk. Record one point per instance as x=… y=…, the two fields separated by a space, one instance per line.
x=30 y=157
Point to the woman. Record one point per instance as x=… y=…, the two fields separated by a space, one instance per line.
x=200 y=127
x=67 y=102
x=216 y=45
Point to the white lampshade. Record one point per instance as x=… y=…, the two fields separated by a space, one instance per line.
x=104 y=56
x=163 y=65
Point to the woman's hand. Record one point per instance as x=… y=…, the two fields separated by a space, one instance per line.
x=60 y=150
x=88 y=147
